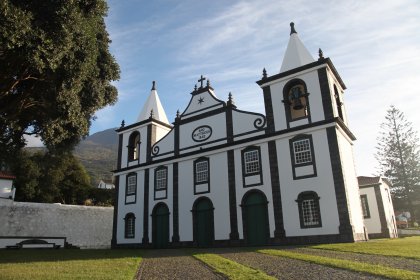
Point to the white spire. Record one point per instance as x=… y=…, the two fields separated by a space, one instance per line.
x=296 y=53
x=153 y=103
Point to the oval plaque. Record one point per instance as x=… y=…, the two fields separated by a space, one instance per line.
x=201 y=133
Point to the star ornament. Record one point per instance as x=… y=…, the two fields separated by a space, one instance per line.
x=200 y=100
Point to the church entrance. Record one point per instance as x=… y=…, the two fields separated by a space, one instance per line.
x=255 y=218
x=160 y=229
x=203 y=222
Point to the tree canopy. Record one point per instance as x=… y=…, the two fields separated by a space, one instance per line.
x=398 y=156
x=55 y=70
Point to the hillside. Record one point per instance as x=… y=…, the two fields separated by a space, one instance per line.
x=98 y=153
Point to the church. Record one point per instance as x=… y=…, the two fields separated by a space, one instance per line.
x=221 y=176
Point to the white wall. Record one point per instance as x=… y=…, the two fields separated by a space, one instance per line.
x=136 y=209
x=322 y=184
x=218 y=195
x=373 y=224
x=350 y=181
x=84 y=226
x=389 y=210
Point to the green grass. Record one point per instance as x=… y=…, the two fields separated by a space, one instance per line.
x=69 y=264
x=379 y=270
x=230 y=268
x=407 y=247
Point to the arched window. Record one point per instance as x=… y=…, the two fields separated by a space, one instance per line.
x=309 y=211
x=129 y=229
x=134 y=146
x=338 y=103
x=296 y=100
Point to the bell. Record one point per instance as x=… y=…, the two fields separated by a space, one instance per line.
x=297 y=104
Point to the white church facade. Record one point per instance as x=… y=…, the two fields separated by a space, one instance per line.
x=220 y=176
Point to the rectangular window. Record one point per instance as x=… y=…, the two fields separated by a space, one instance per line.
x=302 y=151
x=252 y=162
x=201 y=172
x=131 y=185
x=161 y=182
x=310 y=213
x=365 y=206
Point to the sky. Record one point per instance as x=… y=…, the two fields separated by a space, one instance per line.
x=374 y=45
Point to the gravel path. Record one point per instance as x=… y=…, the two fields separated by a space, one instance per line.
x=173 y=264
x=402 y=263
x=284 y=268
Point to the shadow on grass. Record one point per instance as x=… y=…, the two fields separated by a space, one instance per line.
x=46 y=255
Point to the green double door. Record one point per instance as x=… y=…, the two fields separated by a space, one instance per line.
x=204 y=223
x=161 y=227
x=256 y=219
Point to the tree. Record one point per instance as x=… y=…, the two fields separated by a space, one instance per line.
x=48 y=178
x=55 y=71
x=399 y=159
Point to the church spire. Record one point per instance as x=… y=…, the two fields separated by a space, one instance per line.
x=296 y=53
x=153 y=105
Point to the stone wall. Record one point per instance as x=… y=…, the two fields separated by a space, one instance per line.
x=83 y=226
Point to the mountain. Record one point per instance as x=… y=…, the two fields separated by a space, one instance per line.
x=98 y=154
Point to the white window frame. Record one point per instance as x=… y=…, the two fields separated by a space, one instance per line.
x=252 y=162
x=302 y=151
x=202 y=176
x=161 y=180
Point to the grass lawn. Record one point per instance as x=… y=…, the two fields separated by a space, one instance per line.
x=231 y=269
x=69 y=264
x=378 y=270
x=407 y=247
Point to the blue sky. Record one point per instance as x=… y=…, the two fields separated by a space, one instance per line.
x=375 y=46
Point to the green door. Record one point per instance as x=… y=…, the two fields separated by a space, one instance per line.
x=204 y=226
x=256 y=221
x=161 y=227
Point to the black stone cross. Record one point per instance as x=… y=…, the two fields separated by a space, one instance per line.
x=201 y=80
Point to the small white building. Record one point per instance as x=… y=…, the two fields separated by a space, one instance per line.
x=108 y=185
x=7 y=191
x=221 y=176
x=377 y=207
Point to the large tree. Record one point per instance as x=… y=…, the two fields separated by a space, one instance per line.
x=49 y=177
x=399 y=159
x=55 y=70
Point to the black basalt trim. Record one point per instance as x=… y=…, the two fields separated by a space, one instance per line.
x=175 y=200
x=229 y=124
x=227 y=145
x=268 y=104
x=145 y=240
x=115 y=218
x=279 y=231
x=120 y=140
x=302 y=68
x=150 y=120
x=381 y=210
x=345 y=228
x=327 y=102
x=234 y=234
x=151 y=139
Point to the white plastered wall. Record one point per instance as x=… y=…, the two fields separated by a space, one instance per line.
x=322 y=184
x=388 y=209
x=373 y=224
x=135 y=208
x=350 y=181
x=219 y=190
x=265 y=187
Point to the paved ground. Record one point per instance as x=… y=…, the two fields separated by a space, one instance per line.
x=178 y=264
x=173 y=264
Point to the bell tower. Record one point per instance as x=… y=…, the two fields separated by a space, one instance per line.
x=304 y=102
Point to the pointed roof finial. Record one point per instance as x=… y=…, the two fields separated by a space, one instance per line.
x=292 y=28
x=208 y=82
x=122 y=124
x=264 y=74
x=321 y=54
x=195 y=87
x=151 y=114
x=153 y=85
x=177 y=113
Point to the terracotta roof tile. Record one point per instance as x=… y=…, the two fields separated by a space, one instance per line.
x=6 y=175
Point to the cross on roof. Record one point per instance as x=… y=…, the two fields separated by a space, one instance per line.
x=201 y=80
